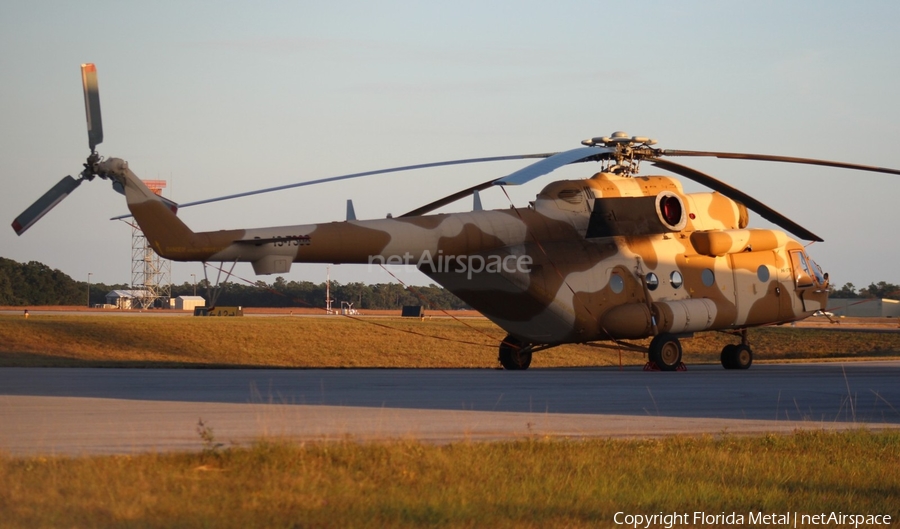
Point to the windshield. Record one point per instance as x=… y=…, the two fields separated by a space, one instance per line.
x=815 y=270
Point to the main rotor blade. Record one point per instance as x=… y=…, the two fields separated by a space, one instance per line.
x=44 y=204
x=785 y=159
x=370 y=173
x=552 y=163
x=427 y=208
x=763 y=210
x=92 y=104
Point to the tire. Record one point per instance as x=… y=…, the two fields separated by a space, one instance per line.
x=727 y=356
x=515 y=355
x=737 y=356
x=665 y=351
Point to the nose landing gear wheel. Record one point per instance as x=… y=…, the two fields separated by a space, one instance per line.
x=665 y=352
x=515 y=355
x=737 y=356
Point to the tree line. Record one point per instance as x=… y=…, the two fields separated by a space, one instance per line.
x=878 y=290
x=34 y=283
x=283 y=293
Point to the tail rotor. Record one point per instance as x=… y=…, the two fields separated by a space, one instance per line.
x=68 y=184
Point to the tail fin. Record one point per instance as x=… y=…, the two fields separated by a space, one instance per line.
x=166 y=233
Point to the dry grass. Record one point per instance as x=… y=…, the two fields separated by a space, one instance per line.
x=532 y=483
x=333 y=341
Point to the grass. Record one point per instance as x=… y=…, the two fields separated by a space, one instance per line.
x=159 y=341
x=531 y=483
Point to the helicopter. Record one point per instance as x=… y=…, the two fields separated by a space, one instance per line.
x=613 y=257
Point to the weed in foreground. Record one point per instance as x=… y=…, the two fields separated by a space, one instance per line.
x=207 y=435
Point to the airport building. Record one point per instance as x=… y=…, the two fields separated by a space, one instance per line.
x=126 y=299
x=864 y=307
x=188 y=302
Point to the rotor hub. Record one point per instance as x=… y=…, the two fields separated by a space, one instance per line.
x=618 y=139
x=629 y=151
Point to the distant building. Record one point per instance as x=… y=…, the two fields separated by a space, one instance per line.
x=125 y=299
x=864 y=308
x=189 y=302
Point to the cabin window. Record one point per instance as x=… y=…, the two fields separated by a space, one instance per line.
x=652 y=281
x=616 y=284
x=762 y=273
x=708 y=277
x=677 y=279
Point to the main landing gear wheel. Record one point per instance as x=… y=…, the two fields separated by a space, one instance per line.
x=665 y=352
x=737 y=356
x=515 y=354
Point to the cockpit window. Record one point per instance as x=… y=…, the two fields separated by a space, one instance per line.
x=812 y=268
x=817 y=271
x=806 y=273
x=803 y=263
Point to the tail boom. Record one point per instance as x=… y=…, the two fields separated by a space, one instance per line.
x=272 y=250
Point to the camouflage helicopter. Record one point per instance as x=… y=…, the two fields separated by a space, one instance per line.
x=612 y=257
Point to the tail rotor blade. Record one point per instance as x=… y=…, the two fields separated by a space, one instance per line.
x=44 y=204
x=92 y=104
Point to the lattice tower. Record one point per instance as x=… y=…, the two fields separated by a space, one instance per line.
x=149 y=272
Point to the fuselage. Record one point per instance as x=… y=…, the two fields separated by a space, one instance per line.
x=600 y=258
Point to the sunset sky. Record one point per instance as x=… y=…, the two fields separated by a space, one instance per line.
x=225 y=97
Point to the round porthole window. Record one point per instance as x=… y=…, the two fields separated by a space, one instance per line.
x=616 y=284
x=677 y=279
x=763 y=273
x=652 y=281
x=708 y=277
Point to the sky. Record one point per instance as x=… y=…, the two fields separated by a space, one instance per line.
x=226 y=97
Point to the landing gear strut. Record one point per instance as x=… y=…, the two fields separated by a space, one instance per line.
x=665 y=352
x=738 y=356
x=514 y=353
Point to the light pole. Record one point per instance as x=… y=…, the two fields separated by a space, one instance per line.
x=89 y=289
x=194 y=277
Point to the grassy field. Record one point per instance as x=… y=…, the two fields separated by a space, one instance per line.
x=531 y=483
x=284 y=341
